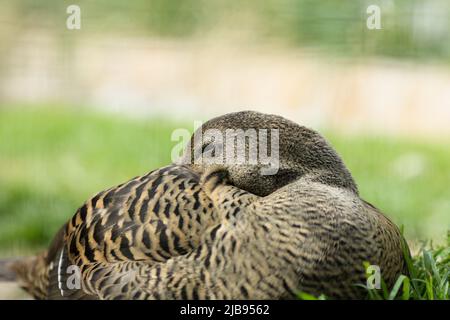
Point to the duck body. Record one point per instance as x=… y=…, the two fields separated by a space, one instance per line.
x=324 y=235
x=305 y=237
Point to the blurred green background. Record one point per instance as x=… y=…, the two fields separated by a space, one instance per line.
x=83 y=110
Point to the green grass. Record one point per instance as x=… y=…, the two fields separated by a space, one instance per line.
x=428 y=276
x=51 y=160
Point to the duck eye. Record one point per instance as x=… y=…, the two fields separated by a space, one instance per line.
x=212 y=150
x=209 y=149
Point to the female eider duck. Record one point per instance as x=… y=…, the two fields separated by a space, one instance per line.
x=205 y=231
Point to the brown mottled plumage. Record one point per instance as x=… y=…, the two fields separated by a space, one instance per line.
x=149 y=218
x=191 y=231
x=305 y=236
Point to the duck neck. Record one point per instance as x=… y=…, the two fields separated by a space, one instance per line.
x=340 y=179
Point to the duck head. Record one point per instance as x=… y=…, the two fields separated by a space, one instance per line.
x=264 y=152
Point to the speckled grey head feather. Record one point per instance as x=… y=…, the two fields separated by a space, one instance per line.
x=302 y=151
